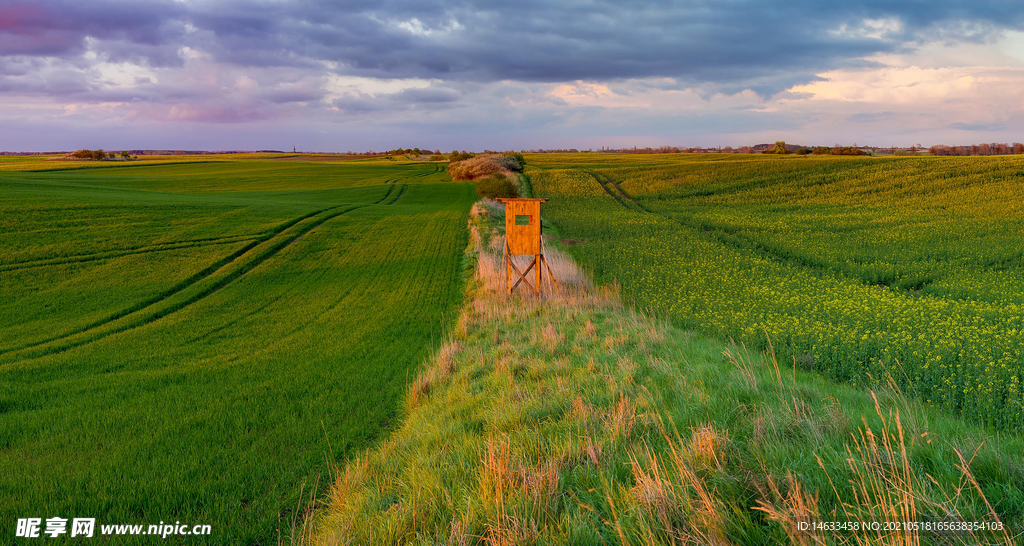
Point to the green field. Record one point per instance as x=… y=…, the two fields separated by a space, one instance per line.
x=220 y=340
x=200 y=341
x=858 y=267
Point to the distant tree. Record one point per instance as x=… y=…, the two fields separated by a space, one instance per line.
x=847 y=150
x=518 y=157
x=111 y=155
x=780 y=147
x=803 y=151
x=98 y=154
x=124 y=154
x=415 y=151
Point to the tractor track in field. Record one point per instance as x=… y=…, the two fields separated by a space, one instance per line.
x=387 y=194
x=158 y=307
x=108 y=255
x=157 y=247
x=391 y=188
x=723 y=236
x=617 y=194
x=401 y=192
x=184 y=284
x=150 y=310
x=147 y=311
x=143 y=312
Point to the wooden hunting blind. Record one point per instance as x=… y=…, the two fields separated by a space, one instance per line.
x=523 y=237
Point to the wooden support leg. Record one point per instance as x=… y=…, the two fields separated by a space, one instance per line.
x=551 y=276
x=522 y=276
x=538 y=259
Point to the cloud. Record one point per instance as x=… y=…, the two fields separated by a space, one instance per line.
x=870 y=117
x=751 y=44
x=429 y=95
x=59 y=28
x=960 y=126
x=583 y=67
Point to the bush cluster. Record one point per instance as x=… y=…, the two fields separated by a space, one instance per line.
x=838 y=150
x=496 y=186
x=96 y=154
x=411 y=151
x=484 y=165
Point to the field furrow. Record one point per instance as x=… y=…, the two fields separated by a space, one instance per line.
x=161 y=247
x=203 y=284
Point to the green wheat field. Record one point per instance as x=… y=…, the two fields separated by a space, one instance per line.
x=196 y=341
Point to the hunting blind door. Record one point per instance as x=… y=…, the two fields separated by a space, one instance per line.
x=523 y=237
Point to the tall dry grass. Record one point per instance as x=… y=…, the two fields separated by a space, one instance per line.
x=484 y=165
x=883 y=486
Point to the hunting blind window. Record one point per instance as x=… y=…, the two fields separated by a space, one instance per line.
x=522 y=220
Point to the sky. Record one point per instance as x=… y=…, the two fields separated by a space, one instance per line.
x=475 y=74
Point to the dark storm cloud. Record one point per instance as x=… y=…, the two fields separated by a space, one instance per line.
x=58 y=28
x=712 y=46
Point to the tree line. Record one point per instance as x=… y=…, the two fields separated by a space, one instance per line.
x=994 y=148
x=98 y=154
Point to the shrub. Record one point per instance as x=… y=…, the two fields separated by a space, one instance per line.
x=483 y=165
x=459 y=156
x=496 y=186
x=847 y=150
x=803 y=151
